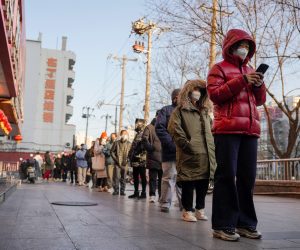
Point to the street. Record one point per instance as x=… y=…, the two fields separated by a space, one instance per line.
x=29 y=221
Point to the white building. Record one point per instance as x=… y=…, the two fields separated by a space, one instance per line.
x=47 y=97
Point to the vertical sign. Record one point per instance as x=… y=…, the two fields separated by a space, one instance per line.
x=49 y=90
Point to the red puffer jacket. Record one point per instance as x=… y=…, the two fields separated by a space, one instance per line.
x=234 y=99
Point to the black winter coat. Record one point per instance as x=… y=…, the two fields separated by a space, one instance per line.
x=161 y=129
x=153 y=146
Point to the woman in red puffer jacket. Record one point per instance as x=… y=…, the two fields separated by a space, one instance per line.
x=235 y=90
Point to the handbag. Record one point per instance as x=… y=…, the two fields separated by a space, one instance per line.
x=98 y=162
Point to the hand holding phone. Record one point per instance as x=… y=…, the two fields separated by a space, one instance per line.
x=262 y=68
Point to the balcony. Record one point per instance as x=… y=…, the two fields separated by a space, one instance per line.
x=69 y=99
x=71 y=63
x=70 y=82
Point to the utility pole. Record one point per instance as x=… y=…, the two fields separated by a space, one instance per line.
x=148 y=77
x=213 y=34
x=87 y=115
x=212 y=56
x=140 y=28
x=124 y=60
x=107 y=116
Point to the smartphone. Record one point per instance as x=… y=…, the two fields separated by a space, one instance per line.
x=262 y=68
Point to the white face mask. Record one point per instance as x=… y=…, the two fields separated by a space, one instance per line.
x=103 y=142
x=241 y=52
x=124 y=137
x=196 y=95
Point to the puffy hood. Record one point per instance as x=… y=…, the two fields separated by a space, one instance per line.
x=183 y=98
x=232 y=37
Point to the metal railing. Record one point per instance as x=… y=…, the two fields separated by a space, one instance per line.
x=280 y=169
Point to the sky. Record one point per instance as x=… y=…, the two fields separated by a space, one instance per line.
x=95 y=29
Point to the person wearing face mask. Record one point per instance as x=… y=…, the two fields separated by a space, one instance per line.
x=101 y=173
x=190 y=129
x=235 y=90
x=119 y=153
x=137 y=157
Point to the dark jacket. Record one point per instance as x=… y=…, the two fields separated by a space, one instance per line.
x=72 y=162
x=119 y=152
x=190 y=127
x=161 y=125
x=234 y=99
x=88 y=156
x=108 y=158
x=48 y=162
x=153 y=146
x=137 y=152
x=64 y=162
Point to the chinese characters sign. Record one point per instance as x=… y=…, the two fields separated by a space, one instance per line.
x=49 y=90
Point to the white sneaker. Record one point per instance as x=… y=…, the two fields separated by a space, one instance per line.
x=152 y=199
x=200 y=214
x=188 y=216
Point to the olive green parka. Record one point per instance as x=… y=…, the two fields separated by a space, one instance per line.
x=190 y=128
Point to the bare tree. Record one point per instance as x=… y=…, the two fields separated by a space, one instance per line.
x=273 y=24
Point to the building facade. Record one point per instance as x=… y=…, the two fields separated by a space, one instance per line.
x=47 y=98
x=12 y=60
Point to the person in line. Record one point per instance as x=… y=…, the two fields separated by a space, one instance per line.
x=57 y=168
x=137 y=157
x=64 y=165
x=100 y=171
x=153 y=146
x=39 y=160
x=72 y=166
x=109 y=163
x=190 y=128
x=168 y=182
x=90 y=173
x=119 y=153
x=235 y=90
x=81 y=164
x=48 y=166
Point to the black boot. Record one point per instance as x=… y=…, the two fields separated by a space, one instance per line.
x=143 y=195
x=115 y=193
x=134 y=195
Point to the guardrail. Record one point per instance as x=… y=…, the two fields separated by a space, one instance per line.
x=280 y=169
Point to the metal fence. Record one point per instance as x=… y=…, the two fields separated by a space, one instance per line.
x=281 y=169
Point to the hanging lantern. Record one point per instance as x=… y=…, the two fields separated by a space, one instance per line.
x=18 y=138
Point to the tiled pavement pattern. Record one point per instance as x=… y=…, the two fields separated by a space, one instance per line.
x=29 y=221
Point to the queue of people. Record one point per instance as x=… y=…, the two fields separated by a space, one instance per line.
x=184 y=149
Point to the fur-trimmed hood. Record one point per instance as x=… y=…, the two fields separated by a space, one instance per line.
x=184 y=100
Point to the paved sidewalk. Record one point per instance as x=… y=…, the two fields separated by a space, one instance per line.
x=29 y=221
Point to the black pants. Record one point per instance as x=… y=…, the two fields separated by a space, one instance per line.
x=139 y=172
x=155 y=176
x=234 y=180
x=72 y=174
x=101 y=182
x=188 y=188
x=64 y=174
x=57 y=173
